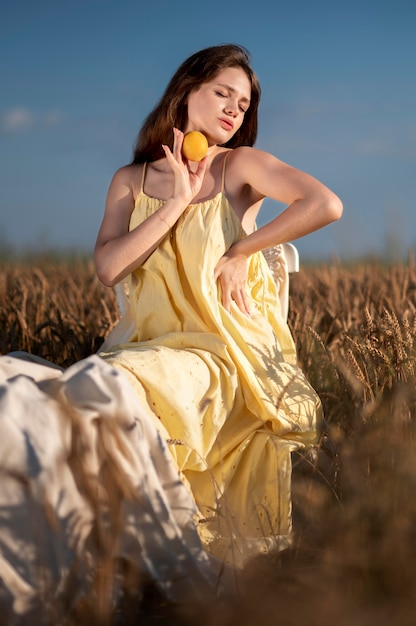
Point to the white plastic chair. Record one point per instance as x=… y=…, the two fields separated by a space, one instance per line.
x=283 y=260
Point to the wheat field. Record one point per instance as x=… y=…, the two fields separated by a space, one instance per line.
x=354 y=495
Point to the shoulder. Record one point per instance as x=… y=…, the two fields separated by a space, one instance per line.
x=246 y=157
x=127 y=173
x=127 y=178
x=248 y=165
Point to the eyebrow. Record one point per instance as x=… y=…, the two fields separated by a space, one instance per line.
x=243 y=98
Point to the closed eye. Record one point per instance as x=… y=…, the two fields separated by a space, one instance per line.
x=224 y=95
x=226 y=90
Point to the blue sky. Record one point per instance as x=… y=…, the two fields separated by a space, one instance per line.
x=339 y=101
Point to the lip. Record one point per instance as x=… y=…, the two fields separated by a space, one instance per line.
x=226 y=123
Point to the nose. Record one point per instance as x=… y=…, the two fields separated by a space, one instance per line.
x=231 y=108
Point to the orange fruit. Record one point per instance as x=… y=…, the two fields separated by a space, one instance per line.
x=195 y=145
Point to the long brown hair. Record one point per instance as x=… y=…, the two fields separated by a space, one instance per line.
x=171 y=110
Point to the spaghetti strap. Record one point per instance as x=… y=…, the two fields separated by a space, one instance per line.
x=223 y=172
x=143 y=175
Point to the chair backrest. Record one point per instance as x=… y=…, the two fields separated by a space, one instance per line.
x=282 y=260
x=283 y=255
x=292 y=257
x=122 y=296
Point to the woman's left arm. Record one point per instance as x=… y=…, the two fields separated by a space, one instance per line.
x=310 y=206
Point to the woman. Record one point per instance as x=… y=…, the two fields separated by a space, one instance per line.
x=204 y=343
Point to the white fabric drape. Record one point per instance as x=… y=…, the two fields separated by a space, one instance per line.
x=75 y=450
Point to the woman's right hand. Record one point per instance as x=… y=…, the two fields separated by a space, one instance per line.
x=187 y=183
x=119 y=250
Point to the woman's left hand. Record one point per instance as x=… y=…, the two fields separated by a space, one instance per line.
x=231 y=271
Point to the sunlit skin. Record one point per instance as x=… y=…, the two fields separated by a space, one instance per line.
x=217 y=109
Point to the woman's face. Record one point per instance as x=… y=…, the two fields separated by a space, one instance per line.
x=217 y=107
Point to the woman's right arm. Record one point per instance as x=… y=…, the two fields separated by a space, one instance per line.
x=117 y=251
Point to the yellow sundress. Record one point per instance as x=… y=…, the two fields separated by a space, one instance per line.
x=224 y=389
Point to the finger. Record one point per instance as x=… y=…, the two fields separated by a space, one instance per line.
x=241 y=300
x=245 y=308
x=226 y=302
x=177 y=144
x=202 y=166
x=169 y=156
